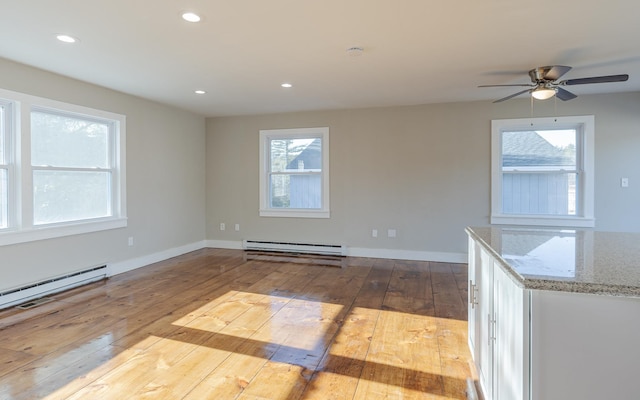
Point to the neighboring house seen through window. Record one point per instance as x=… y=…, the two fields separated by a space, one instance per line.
x=294 y=173
x=70 y=176
x=542 y=171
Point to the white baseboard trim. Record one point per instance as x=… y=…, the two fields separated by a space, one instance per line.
x=224 y=244
x=371 y=253
x=407 y=255
x=134 y=263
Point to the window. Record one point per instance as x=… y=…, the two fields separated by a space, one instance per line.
x=294 y=173
x=5 y=161
x=542 y=171
x=70 y=178
x=72 y=165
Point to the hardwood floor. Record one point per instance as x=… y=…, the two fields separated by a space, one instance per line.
x=224 y=324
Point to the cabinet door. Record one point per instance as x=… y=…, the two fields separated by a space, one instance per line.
x=511 y=319
x=485 y=342
x=473 y=314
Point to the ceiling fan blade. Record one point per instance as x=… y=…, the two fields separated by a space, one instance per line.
x=596 y=79
x=512 y=96
x=523 y=85
x=564 y=95
x=555 y=72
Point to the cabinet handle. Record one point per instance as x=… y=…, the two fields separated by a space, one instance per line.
x=471 y=293
x=495 y=324
x=473 y=298
x=491 y=329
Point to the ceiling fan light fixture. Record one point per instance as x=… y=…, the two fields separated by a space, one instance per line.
x=66 y=38
x=191 y=17
x=543 y=93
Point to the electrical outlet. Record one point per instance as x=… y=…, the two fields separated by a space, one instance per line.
x=130 y=241
x=374 y=233
x=222 y=226
x=237 y=227
x=624 y=182
x=391 y=233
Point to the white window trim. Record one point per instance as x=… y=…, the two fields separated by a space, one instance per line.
x=21 y=227
x=295 y=133
x=585 y=126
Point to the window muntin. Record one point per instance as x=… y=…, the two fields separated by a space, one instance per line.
x=542 y=171
x=294 y=178
x=70 y=176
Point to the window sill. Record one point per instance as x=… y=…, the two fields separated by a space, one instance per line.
x=539 y=220
x=60 y=230
x=295 y=213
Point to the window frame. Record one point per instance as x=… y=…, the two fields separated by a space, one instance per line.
x=266 y=136
x=585 y=128
x=21 y=215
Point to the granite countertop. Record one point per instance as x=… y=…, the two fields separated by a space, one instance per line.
x=568 y=260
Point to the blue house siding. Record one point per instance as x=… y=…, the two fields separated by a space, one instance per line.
x=306 y=191
x=535 y=194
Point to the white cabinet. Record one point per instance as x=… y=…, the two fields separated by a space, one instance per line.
x=484 y=283
x=498 y=328
x=510 y=334
x=540 y=337
x=474 y=252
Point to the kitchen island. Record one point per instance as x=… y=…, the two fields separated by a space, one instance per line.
x=554 y=314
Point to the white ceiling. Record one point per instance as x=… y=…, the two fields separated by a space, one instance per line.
x=415 y=51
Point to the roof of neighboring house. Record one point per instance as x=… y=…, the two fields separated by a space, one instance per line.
x=529 y=148
x=311 y=156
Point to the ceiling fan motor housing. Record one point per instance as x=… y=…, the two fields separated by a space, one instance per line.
x=548 y=74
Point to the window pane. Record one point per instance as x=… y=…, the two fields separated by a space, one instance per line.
x=296 y=191
x=2 y=135
x=60 y=196
x=539 y=193
x=279 y=192
x=295 y=154
x=3 y=199
x=65 y=141
x=552 y=148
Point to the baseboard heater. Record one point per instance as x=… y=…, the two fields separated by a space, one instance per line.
x=300 y=248
x=36 y=290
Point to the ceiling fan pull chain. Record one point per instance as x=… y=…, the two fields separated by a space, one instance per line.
x=531 y=97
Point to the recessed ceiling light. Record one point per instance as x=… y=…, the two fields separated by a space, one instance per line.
x=286 y=85
x=191 y=17
x=355 y=51
x=200 y=92
x=66 y=38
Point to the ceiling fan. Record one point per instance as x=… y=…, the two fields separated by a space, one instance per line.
x=545 y=83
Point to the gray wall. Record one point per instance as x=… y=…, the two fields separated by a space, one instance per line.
x=423 y=170
x=165 y=182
